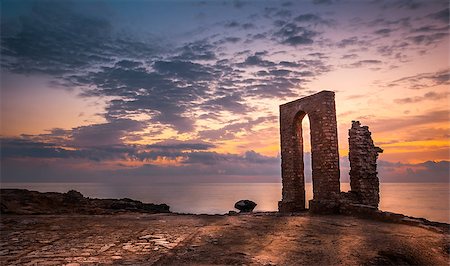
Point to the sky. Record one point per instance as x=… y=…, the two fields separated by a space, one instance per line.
x=189 y=91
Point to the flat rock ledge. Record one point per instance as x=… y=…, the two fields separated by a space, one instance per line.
x=244 y=239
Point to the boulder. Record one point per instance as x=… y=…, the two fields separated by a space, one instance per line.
x=245 y=205
x=73 y=197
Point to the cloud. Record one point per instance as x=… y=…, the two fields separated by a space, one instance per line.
x=140 y=91
x=193 y=159
x=232 y=24
x=55 y=39
x=311 y=19
x=25 y=148
x=428 y=39
x=214 y=158
x=128 y=64
x=111 y=133
x=400 y=4
x=232 y=39
x=238 y=3
x=432 y=96
x=294 y=35
x=166 y=89
x=173 y=144
x=182 y=69
x=247 y=26
x=404 y=122
x=283 y=13
x=395 y=48
x=383 y=32
x=427 y=172
x=349 y=56
x=324 y=2
x=352 y=41
x=257 y=60
x=173 y=83
x=404 y=23
x=195 y=163
x=199 y=50
x=22 y=148
x=424 y=80
x=442 y=15
x=229 y=131
x=364 y=63
x=232 y=102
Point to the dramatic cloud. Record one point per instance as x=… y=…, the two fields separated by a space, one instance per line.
x=195 y=93
x=55 y=39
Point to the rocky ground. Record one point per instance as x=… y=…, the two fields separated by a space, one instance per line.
x=22 y=201
x=246 y=239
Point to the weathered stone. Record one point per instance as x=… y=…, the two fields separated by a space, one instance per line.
x=321 y=110
x=245 y=205
x=363 y=156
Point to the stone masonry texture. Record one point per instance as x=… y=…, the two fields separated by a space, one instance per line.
x=321 y=111
x=363 y=156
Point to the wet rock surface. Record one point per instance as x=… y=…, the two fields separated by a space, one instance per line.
x=22 y=201
x=251 y=239
x=245 y=205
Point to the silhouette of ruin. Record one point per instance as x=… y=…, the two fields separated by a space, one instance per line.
x=327 y=197
x=363 y=156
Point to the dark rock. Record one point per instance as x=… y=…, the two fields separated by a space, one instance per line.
x=22 y=201
x=245 y=205
x=232 y=213
x=73 y=197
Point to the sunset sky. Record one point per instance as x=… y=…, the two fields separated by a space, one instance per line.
x=188 y=91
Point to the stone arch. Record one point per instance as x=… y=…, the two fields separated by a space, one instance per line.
x=321 y=111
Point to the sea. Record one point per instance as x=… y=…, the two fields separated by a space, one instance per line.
x=427 y=200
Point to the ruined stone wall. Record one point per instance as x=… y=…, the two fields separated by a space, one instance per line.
x=321 y=111
x=363 y=156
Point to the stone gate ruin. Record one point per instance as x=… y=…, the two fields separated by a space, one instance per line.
x=321 y=110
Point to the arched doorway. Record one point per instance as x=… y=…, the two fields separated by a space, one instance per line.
x=321 y=110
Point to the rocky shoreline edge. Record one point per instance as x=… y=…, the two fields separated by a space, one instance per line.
x=26 y=202
x=23 y=201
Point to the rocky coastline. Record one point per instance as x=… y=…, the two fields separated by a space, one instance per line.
x=70 y=229
x=22 y=201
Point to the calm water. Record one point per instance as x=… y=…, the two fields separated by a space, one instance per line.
x=428 y=200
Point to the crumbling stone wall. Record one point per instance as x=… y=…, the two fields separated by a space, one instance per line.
x=321 y=111
x=363 y=156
